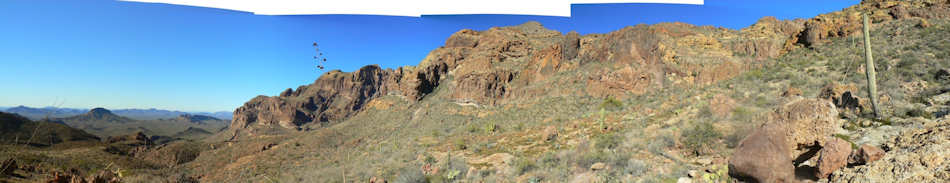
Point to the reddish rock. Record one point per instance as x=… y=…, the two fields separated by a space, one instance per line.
x=485 y=88
x=763 y=156
x=334 y=96
x=866 y=154
x=834 y=155
x=59 y=177
x=375 y=179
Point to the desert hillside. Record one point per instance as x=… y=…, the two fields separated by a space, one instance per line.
x=778 y=101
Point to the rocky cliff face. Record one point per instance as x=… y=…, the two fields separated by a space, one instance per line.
x=502 y=64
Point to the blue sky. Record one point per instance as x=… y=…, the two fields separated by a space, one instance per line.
x=113 y=54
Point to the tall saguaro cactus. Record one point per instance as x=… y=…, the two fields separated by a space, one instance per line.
x=869 y=64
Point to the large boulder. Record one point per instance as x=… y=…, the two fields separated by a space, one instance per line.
x=768 y=154
x=763 y=156
x=810 y=122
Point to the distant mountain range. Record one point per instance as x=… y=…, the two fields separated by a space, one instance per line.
x=139 y=114
x=105 y=123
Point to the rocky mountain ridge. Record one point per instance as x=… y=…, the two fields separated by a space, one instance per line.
x=500 y=64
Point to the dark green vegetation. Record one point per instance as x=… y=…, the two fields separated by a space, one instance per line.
x=15 y=129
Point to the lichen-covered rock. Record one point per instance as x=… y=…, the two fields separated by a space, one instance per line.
x=916 y=155
x=866 y=154
x=833 y=155
x=810 y=122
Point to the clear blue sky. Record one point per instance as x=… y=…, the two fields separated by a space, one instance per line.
x=112 y=54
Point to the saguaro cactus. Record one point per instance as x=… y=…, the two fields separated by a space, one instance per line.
x=869 y=63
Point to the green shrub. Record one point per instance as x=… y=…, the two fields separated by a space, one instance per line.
x=550 y=160
x=460 y=144
x=607 y=141
x=410 y=175
x=740 y=132
x=472 y=128
x=659 y=145
x=918 y=112
x=589 y=158
x=491 y=128
x=635 y=168
x=610 y=103
x=523 y=165
x=700 y=137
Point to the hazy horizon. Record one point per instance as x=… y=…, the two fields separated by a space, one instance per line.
x=111 y=109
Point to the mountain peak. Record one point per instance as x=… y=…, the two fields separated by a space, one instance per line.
x=99 y=111
x=100 y=114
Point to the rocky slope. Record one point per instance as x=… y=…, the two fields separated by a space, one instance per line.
x=493 y=66
x=499 y=65
x=486 y=97
x=16 y=129
x=781 y=100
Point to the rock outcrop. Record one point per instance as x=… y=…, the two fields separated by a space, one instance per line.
x=132 y=145
x=915 y=155
x=197 y=119
x=843 y=96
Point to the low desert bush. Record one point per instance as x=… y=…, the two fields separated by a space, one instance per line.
x=700 y=137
